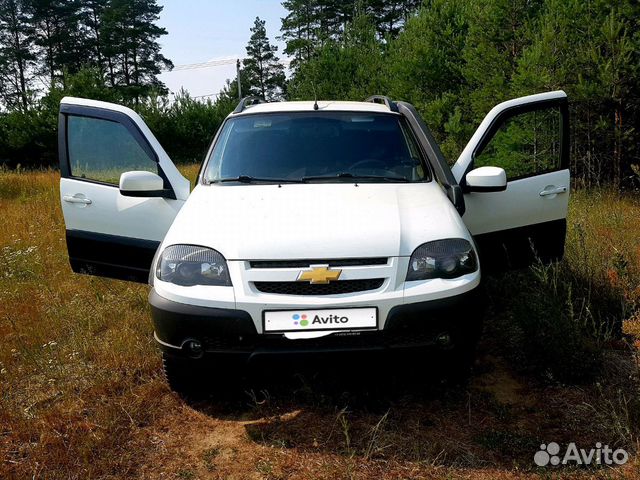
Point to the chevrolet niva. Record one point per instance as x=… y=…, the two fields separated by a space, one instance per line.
x=314 y=227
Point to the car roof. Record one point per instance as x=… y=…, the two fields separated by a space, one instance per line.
x=308 y=106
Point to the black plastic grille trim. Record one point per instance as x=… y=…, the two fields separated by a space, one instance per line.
x=366 y=340
x=333 y=288
x=345 y=262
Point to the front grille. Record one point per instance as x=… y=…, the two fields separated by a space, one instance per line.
x=333 y=288
x=345 y=262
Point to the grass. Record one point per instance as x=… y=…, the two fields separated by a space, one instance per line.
x=82 y=396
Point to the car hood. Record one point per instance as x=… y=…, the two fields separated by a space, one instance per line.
x=315 y=221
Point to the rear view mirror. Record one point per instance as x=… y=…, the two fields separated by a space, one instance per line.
x=486 y=179
x=142 y=184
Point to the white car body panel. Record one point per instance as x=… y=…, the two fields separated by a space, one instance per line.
x=307 y=106
x=113 y=214
x=521 y=203
x=243 y=296
x=343 y=221
x=140 y=181
x=311 y=221
x=484 y=177
x=307 y=221
x=494 y=211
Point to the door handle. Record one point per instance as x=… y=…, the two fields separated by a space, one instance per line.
x=553 y=191
x=74 y=199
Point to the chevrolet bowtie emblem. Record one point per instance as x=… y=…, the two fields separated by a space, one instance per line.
x=319 y=274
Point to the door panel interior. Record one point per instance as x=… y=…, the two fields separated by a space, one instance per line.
x=110 y=256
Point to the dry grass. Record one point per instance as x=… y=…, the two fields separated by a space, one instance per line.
x=82 y=395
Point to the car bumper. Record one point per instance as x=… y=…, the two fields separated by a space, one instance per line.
x=245 y=296
x=222 y=331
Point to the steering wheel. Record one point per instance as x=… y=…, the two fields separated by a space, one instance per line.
x=372 y=162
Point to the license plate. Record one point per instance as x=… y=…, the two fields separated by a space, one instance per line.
x=330 y=319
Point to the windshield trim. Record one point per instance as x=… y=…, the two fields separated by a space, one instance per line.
x=406 y=126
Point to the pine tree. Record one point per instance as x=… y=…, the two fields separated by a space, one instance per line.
x=92 y=18
x=424 y=66
x=333 y=17
x=496 y=39
x=391 y=15
x=262 y=68
x=59 y=36
x=616 y=70
x=311 y=24
x=229 y=93
x=348 y=69
x=299 y=30
x=16 y=54
x=587 y=50
x=130 y=38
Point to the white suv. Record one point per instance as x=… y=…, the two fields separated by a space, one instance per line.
x=314 y=226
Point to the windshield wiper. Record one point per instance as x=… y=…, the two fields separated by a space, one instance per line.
x=356 y=177
x=250 y=179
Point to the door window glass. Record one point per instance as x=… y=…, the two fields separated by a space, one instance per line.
x=102 y=150
x=526 y=144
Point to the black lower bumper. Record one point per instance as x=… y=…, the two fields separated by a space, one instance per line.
x=232 y=332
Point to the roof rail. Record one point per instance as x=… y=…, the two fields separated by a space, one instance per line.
x=247 y=101
x=391 y=105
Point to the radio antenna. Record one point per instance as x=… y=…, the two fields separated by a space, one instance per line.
x=315 y=96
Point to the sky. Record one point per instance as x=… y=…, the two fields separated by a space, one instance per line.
x=202 y=31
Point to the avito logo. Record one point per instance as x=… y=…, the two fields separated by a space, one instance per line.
x=549 y=454
x=303 y=320
x=300 y=320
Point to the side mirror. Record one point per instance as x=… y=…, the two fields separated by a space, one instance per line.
x=142 y=184
x=486 y=179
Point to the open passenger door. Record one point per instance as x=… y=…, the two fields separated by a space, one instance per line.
x=119 y=190
x=521 y=216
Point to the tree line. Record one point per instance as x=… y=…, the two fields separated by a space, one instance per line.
x=44 y=41
x=453 y=59
x=313 y=23
x=456 y=59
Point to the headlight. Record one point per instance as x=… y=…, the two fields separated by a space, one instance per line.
x=188 y=265
x=448 y=258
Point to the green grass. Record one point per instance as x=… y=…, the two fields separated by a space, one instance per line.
x=81 y=393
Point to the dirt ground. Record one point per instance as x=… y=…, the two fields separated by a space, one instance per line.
x=82 y=394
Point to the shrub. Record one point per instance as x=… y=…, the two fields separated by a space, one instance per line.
x=184 y=126
x=561 y=320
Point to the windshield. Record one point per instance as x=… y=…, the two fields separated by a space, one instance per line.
x=316 y=146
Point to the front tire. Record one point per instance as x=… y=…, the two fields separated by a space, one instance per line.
x=197 y=378
x=460 y=359
x=184 y=376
